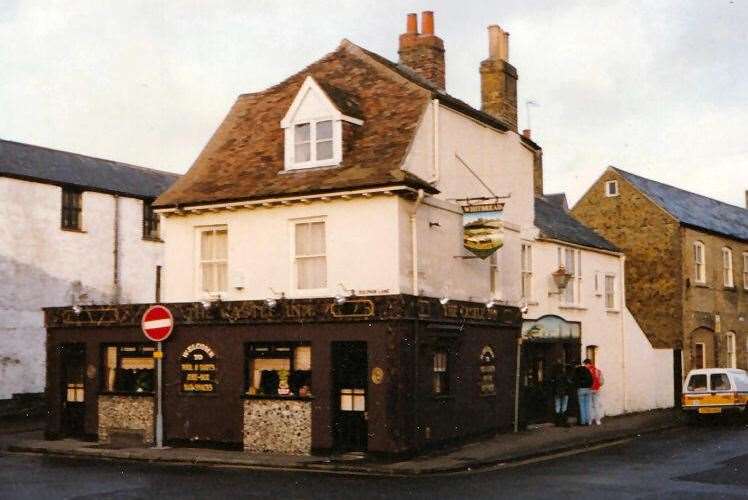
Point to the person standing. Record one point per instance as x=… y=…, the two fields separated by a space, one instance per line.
x=560 y=387
x=583 y=383
x=596 y=407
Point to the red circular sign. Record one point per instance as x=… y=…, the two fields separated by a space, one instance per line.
x=157 y=323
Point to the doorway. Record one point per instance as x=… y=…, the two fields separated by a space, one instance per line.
x=349 y=374
x=73 y=387
x=538 y=361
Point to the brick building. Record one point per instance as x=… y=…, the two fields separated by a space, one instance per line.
x=686 y=267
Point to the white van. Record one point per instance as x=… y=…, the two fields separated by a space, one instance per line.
x=715 y=391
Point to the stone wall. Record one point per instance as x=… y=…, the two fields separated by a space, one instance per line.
x=651 y=240
x=126 y=413
x=278 y=426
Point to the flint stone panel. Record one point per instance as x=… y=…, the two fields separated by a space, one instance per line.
x=125 y=414
x=278 y=426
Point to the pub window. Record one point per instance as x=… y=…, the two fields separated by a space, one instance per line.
x=310 y=255
x=441 y=372
x=71 y=208
x=279 y=370
x=150 y=222
x=526 y=267
x=214 y=256
x=129 y=368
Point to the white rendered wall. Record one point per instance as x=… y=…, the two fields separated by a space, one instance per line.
x=637 y=376
x=361 y=240
x=39 y=263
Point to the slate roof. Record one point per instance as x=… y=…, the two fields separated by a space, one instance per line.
x=51 y=166
x=692 y=209
x=556 y=223
x=244 y=159
x=558 y=199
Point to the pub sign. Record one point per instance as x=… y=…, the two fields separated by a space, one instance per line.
x=198 y=368
x=483 y=228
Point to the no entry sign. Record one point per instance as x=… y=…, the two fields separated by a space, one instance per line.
x=157 y=323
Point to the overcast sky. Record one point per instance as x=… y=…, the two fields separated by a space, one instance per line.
x=657 y=88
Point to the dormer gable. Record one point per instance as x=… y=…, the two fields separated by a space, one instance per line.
x=313 y=127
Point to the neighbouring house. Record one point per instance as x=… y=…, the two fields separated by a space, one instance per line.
x=574 y=283
x=74 y=230
x=686 y=265
x=317 y=271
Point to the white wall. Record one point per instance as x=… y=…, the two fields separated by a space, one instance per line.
x=361 y=239
x=39 y=262
x=637 y=376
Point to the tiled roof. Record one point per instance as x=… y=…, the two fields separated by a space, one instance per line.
x=60 y=167
x=244 y=158
x=556 y=223
x=693 y=209
x=558 y=199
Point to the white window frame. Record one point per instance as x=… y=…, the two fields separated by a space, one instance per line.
x=526 y=271
x=745 y=270
x=611 y=306
x=576 y=275
x=699 y=262
x=599 y=284
x=290 y=121
x=610 y=193
x=199 y=260
x=294 y=259
x=732 y=345
x=728 y=279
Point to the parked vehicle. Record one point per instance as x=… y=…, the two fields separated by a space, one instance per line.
x=715 y=391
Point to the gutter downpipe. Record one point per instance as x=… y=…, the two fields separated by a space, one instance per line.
x=414 y=248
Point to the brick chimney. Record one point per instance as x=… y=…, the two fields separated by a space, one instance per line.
x=423 y=52
x=498 y=79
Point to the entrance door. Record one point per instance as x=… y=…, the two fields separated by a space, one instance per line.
x=539 y=360
x=350 y=369
x=74 y=393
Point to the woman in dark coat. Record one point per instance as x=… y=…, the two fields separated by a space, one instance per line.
x=561 y=387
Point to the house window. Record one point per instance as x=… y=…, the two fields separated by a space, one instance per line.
x=129 y=368
x=493 y=264
x=71 y=209
x=611 y=188
x=571 y=260
x=610 y=291
x=699 y=352
x=279 y=370
x=526 y=266
x=213 y=260
x=598 y=283
x=150 y=222
x=441 y=372
x=727 y=279
x=732 y=358
x=313 y=142
x=310 y=255
x=745 y=270
x=699 y=262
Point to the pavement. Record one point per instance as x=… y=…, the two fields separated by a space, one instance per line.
x=534 y=443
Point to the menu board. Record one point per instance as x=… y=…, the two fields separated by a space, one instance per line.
x=198 y=367
x=487 y=372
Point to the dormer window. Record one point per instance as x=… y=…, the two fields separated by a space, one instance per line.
x=313 y=127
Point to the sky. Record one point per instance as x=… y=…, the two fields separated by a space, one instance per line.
x=656 y=88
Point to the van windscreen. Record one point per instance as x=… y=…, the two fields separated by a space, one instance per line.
x=697 y=383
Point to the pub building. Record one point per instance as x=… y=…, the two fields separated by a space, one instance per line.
x=385 y=374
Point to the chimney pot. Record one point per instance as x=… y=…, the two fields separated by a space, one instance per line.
x=412 y=24
x=427 y=22
x=498 y=43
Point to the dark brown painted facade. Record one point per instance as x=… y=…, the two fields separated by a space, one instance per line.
x=403 y=414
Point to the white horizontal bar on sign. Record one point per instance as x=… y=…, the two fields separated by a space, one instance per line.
x=157 y=323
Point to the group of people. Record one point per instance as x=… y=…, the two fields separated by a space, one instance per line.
x=587 y=380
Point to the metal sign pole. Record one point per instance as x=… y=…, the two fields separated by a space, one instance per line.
x=517 y=385
x=159 y=413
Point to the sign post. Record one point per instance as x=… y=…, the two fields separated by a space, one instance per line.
x=157 y=325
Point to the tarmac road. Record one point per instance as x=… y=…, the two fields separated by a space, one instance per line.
x=703 y=462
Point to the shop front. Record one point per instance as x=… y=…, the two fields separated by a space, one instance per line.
x=547 y=341
x=385 y=374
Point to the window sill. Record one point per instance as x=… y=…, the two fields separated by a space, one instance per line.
x=73 y=230
x=699 y=284
x=612 y=311
x=442 y=397
x=729 y=288
x=307 y=168
x=127 y=394
x=278 y=397
x=155 y=240
x=572 y=306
